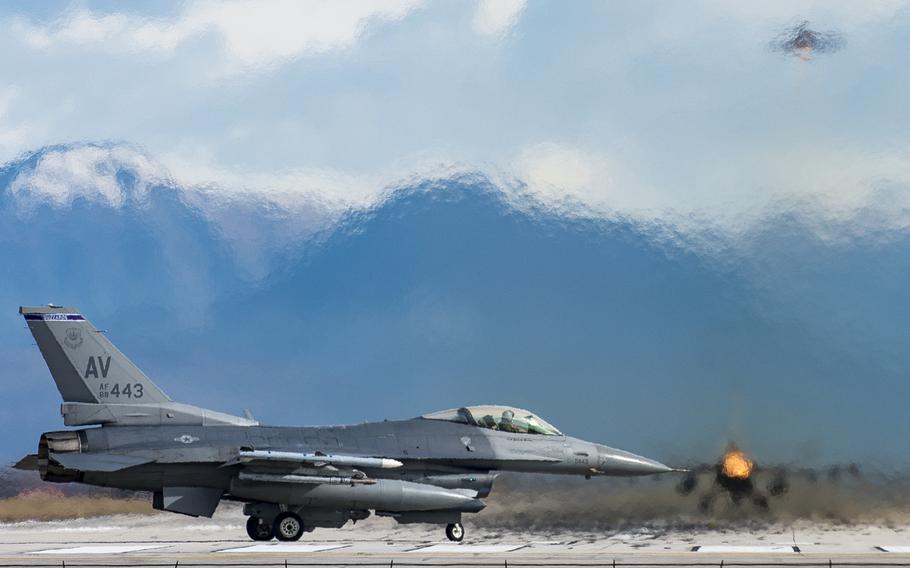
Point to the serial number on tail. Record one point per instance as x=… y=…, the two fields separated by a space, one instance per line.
x=117 y=390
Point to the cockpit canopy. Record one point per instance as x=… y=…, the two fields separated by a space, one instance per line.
x=495 y=417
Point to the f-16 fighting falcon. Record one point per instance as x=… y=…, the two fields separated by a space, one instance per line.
x=429 y=469
x=739 y=477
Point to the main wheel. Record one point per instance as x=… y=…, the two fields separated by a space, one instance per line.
x=455 y=532
x=257 y=529
x=288 y=527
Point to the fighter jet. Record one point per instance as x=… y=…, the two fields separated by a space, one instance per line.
x=802 y=42
x=428 y=469
x=743 y=480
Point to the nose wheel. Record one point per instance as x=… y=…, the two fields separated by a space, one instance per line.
x=455 y=532
x=288 y=527
x=258 y=529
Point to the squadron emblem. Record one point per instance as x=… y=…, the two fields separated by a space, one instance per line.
x=73 y=338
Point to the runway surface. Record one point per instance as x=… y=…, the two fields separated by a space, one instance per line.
x=169 y=540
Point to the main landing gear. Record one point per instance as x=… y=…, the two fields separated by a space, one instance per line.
x=455 y=532
x=258 y=529
x=287 y=527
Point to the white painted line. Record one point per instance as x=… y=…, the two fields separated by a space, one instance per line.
x=101 y=549
x=897 y=549
x=734 y=548
x=285 y=547
x=469 y=548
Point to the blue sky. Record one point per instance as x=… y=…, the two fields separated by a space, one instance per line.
x=649 y=108
x=684 y=218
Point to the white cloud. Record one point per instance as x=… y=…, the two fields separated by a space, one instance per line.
x=335 y=191
x=830 y=185
x=253 y=35
x=844 y=15
x=496 y=17
x=557 y=173
x=12 y=136
x=648 y=141
x=91 y=171
x=831 y=188
x=60 y=176
x=555 y=168
x=254 y=210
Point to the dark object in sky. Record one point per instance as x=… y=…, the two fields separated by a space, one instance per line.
x=428 y=469
x=737 y=475
x=803 y=42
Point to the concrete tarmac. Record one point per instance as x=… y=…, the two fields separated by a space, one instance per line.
x=169 y=540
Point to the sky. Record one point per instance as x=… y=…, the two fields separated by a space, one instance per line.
x=648 y=202
x=648 y=108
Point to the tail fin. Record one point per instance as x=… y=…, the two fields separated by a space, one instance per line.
x=99 y=385
x=84 y=363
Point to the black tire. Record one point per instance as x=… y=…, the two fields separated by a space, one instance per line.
x=288 y=527
x=455 y=532
x=257 y=530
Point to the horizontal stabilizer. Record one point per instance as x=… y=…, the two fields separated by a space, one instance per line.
x=100 y=461
x=159 y=413
x=28 y=463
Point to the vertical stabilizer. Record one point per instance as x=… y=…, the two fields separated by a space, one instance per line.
x=84 y=363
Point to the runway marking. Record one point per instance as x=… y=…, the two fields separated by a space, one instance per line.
x=284 y=547
x=897 y=549
x=101 y=549
x=736 y=548
x=469 y=548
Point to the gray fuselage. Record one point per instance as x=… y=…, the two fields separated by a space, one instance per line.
x=195 y=455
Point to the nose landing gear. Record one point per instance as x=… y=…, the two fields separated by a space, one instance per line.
x=455 y=532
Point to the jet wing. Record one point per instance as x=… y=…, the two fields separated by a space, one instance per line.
x=98 y=461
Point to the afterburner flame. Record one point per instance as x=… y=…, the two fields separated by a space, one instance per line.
x=736 y=465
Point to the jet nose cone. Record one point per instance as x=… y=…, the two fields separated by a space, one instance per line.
x=617 y=462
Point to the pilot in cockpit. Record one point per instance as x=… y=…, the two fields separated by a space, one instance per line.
x=495 y=417
x=506 y=424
